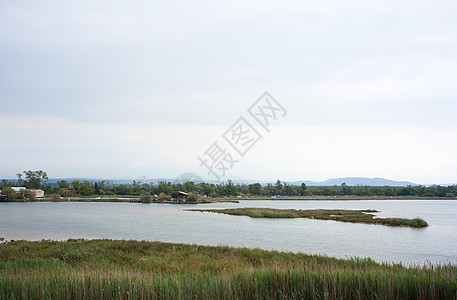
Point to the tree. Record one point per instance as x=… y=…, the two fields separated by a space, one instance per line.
x=255 y=188
x=20 y=181
x=96 y=188
x=206 y=188
x=9 y=193
x=30 y=195
x=346 y=189
x=361 y=190
x=121 y=189
x=278 y=187
x=163 y=187
x=35 y=179
x=189 y=186
x=270 y=189
x=86 y=189
x=27 y=194
x=303 y=189
x=146 y=197
x=4 y=183
x=136 y=188
x=230 y=189
x=287 y=190
x=63 y=184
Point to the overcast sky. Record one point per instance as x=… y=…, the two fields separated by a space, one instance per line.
x=115 y=89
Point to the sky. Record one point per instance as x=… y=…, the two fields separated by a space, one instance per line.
x=126 y=89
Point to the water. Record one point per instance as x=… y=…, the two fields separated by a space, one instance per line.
x=169 y=222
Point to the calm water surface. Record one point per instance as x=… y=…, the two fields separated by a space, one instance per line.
x=169 y=222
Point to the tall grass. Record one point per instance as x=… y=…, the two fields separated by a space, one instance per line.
x=105 y=269
x=342 y=215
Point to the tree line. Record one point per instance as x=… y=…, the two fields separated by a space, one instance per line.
x=39 y=180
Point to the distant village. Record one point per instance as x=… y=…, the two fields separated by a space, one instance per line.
x=22 y=193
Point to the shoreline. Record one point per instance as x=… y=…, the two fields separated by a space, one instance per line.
x=236 y=199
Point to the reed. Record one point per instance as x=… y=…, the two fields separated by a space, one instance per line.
x=110 y=269
x=341 y=215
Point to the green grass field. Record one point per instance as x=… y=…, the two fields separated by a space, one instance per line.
x=119 y=269
x=352 y=216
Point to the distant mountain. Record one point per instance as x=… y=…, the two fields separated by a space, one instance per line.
x=353 y=181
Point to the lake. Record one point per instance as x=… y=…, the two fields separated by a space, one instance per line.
x=171 y=223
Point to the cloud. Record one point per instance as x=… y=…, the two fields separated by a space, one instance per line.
x=108 y=88
x=322 y=152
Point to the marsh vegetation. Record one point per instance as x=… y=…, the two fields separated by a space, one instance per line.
x=342 y=215
x=120 y=269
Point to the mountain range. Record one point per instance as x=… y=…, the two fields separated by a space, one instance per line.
x=351 y=181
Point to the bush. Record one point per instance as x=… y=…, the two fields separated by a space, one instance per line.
x=55 y=197
x=164 y=197
x=146 y=197
x=9 y=193
x=66 y=193
x=192 y=197
x=27 y=194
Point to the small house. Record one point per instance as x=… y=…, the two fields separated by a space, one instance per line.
x=179 y=196
x=38 y=193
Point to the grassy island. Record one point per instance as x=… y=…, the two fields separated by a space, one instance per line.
x=352 y=216
x=120 y=269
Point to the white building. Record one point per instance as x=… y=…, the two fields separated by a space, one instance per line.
x=38 y=193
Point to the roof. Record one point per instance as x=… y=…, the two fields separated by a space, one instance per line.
x=179 y=192
x=18 y=188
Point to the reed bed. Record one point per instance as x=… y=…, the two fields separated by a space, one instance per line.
x=341 y=215
x=110 y=269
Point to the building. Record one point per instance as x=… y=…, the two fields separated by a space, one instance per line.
x=18 y=188
x=38 y=193
x=179 y=196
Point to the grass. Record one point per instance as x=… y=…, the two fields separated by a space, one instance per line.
x=113 y=269
x=352 y=216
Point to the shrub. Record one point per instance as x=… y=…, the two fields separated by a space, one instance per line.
x=164 y=197
x=146 y=197
x=9 y=192
x=27 y=194
x=30 y=195
x=192 y=197
x=55 y=197
x=66 y=193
